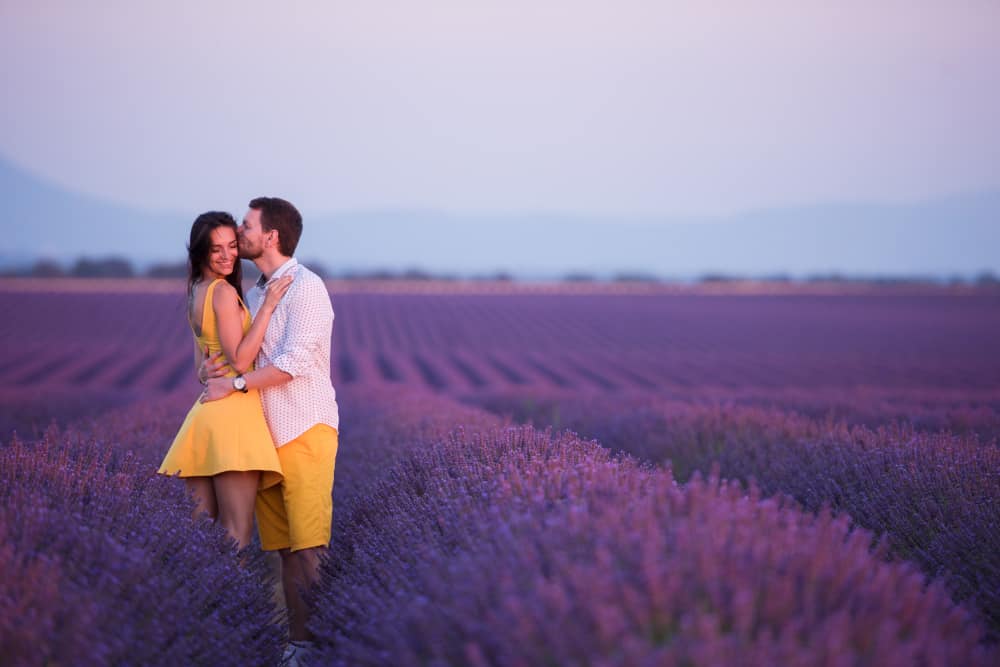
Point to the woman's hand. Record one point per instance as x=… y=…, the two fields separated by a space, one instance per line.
x=275 y=290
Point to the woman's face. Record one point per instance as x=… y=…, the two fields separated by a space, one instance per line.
x=223 y=253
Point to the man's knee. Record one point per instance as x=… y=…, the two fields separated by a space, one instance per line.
x=305 y=563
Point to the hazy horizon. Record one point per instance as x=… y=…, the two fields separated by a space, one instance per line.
x=626 y=114
x=943 y=238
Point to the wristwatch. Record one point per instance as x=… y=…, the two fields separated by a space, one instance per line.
x=240 y=383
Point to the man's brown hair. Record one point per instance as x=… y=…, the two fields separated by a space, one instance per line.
x=276 y=213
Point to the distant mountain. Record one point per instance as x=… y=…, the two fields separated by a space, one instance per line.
x=940 y=238
x=952 y=236
x=43 y=220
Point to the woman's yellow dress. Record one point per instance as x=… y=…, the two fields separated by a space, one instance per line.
x=228 y=434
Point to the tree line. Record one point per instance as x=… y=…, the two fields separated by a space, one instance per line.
x=119 y=267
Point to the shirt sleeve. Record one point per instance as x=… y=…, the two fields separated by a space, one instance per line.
x=308 y=328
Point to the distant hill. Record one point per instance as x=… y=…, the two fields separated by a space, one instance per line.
x=940 y=238
x=43 y=220
x=953 y=236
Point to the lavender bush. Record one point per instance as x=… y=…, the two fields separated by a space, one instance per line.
x=383 y=426
x=142 y=430
x=102 y=564
x=516 y=547
x=935 y=495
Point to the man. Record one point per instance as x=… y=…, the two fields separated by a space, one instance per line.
x=300 y=406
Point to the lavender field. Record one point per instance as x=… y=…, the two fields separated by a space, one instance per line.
x=567 y=478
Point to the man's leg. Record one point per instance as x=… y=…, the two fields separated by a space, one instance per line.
x=308 y=464
x=272 y=526
x=294 y=518
x=299 y=572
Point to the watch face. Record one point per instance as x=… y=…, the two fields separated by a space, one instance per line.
x=239 y=383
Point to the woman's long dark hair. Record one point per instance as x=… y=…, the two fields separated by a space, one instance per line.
x=200 y=246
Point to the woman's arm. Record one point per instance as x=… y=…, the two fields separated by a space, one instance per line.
x=241 y=350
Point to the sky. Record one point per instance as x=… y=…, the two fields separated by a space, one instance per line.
x=633 y=109
x=648 y=108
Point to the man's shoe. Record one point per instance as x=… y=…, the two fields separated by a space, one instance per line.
x=295 y=652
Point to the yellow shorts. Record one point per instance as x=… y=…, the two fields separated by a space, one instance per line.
x=297 y=513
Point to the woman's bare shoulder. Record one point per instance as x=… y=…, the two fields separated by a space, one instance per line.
x=224 y=294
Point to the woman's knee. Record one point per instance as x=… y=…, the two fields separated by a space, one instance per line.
x=238 y=526
x=203 y=493
x=236 y=515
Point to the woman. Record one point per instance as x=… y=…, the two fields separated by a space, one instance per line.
x=224 y=450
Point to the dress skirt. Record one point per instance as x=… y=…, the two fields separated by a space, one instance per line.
x=224 y=435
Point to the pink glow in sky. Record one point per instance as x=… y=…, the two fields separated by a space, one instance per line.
x=654 y=108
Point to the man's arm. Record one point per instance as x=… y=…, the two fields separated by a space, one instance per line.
x=212 y=366
x=308 y=326
x=221 y=387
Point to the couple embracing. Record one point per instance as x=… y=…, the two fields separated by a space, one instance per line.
x=262 y=437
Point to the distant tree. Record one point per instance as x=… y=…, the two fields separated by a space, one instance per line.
x=826 y=278
x=373 y=274
x=901 y=280
x=635 y=277
x=109 y=267
x=718 y=278
x=495 y=277
x=316 y=267
x=168 y=270
x=987 y=278
x=579 y=277
x=777 y=278
x=388 y=274
x=954 y=279
x=47 y=268
x=418 y=274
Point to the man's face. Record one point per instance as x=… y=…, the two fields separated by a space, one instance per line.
x=251 y=236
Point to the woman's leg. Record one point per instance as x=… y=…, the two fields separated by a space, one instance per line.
x=235 y=492
x=203 y=492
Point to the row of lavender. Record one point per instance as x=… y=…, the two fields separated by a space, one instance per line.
x=457 y=344
x=459 y=539
x=102 y=564
x=493 y=544
x=935 y=496
x=932 y=360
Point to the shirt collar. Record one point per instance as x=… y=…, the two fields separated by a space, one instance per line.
x=280 y=271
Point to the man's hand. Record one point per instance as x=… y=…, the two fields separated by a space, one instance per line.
x=217 y=388
x=211 y=367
